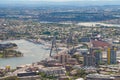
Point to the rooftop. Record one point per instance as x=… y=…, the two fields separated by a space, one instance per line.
x=100 y=44
x=100 y=76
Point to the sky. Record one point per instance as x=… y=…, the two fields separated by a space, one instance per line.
x=51 y=0
x=59 y=1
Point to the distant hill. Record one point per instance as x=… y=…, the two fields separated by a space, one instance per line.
x=113 y=21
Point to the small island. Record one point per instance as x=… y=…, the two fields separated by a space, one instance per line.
x=7 y=50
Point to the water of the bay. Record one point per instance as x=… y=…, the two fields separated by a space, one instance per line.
x=32 y=53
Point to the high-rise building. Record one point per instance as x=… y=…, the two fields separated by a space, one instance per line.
x=65 y=58
x=98 y=57
x=111 y=55
x=89 y=60
x=62 y=58
x=96 y=52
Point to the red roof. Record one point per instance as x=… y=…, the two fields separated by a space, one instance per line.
x=100 y=44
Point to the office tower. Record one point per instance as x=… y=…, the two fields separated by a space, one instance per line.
x=111 y=55
x=98 y=57
x=89 y=60
x=96 y=52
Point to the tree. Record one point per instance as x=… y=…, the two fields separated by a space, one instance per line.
x=81 y=73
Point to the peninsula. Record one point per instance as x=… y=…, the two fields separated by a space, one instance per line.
x=7 y=50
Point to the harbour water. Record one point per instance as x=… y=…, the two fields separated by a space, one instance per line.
x=32 y=53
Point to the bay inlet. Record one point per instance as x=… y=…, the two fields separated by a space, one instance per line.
x=32 y=53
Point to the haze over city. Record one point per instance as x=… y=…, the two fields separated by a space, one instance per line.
x=62 y=2
x=59 y=39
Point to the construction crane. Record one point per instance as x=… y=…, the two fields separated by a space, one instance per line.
x=70 y=42
x=53 y=46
